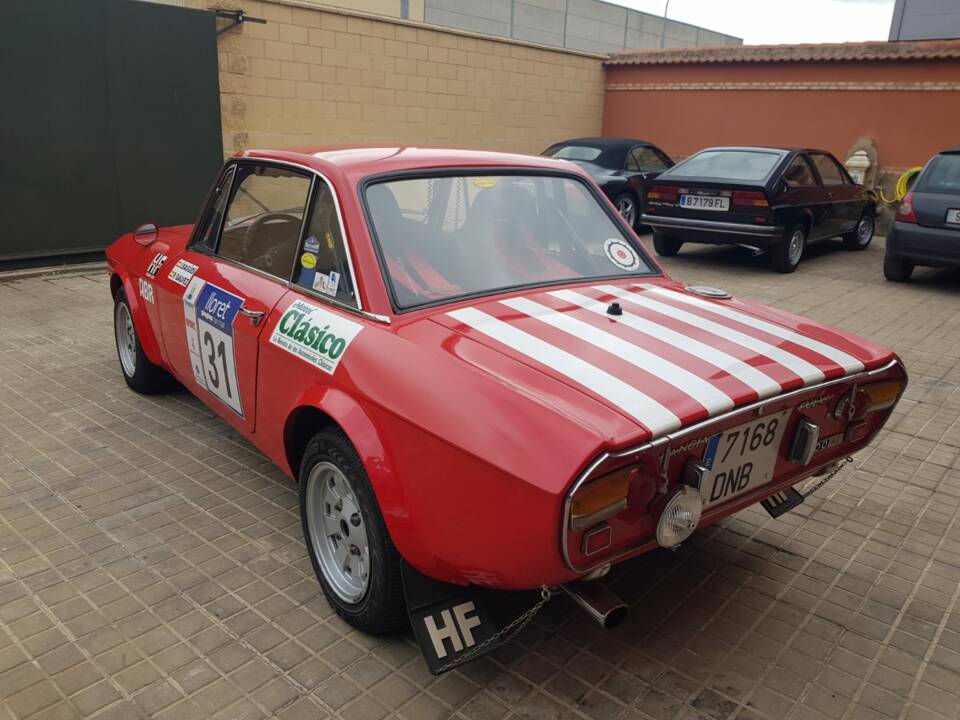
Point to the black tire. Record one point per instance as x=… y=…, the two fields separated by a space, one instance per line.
x=854 y=240
x=897 y=270
x=781 y=258
x=624 y=200
x=143 y=377
x=382 y=609
x=665 y=245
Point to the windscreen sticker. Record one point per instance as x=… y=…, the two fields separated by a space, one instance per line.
x=209 y=313
x=484 y=182
x=182 y=272
x=311 y=244
x=308 y=260
x=327 y=284
x=621 y=254
x=315 y=335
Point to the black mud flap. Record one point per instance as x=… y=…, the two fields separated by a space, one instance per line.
x=782 y=502
x=453 y=624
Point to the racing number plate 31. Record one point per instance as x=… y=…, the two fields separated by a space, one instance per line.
x=742 y=458
x=209 y=312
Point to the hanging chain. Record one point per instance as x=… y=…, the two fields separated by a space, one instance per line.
x=506 y=632
x=828 y=477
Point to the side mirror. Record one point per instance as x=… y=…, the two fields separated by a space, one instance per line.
x=146 y=233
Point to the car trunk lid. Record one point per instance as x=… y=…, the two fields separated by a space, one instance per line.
x=658 y=354
x=937 y=210
x=705 y=200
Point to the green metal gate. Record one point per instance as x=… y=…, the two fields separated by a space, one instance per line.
x=111 y=118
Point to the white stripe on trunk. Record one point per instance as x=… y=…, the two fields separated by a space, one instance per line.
x=807 y=371
x=634 y=403
x=759 y=382
x=697 y=388
x=847 y=362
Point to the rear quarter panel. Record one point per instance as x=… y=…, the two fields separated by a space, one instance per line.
x=469 y=473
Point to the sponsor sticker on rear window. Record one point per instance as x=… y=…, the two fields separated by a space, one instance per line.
x=315 y=335
x=620 y=253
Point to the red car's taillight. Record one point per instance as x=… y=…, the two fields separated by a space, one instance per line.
x=905 y=211
x=660 y=192
x=750 y=198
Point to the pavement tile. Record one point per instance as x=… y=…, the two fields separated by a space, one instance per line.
x=152 y=563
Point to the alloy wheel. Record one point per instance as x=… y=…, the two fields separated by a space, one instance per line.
x=627 y=208
x=338 y=532
x=795 y=251
x=864 y=230
x=126 y=339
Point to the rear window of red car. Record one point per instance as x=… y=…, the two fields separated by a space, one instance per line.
x=442 y=238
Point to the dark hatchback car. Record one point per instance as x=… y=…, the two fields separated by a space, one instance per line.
x=926 y=230
x=776 y=199
x=620 y=166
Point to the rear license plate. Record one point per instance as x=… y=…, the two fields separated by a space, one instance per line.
x=742 y=458
x=953 y=216
x=705 y=202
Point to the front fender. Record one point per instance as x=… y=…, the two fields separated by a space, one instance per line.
x=141 y=321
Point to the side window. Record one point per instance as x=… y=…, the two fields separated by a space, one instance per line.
x=645 y=159
x=207 y=240
x=322 y=263
x=799 y=173
x=264 y=217
x=829 y=171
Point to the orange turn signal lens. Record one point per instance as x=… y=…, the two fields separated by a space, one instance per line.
x=600 y=499
x=882 y=395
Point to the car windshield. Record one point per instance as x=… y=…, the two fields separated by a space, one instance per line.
x=446 y=237
x=728 y=165
x=943 y=175
x=584 y=153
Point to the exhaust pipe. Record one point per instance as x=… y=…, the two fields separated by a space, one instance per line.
x=605 y=608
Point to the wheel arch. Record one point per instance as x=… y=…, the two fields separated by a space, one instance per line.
x=326 y=407
x=805 y=218
x=120 y=280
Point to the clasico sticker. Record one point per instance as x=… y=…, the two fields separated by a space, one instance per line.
x=308 y=260
x=315 y=335
x=311 y=244
x=484 y=182
x=621 y=254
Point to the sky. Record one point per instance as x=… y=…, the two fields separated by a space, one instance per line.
x=762 y=22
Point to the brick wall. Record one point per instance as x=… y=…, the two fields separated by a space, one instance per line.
x=314 y=75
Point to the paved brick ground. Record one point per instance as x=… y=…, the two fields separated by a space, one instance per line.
x=151 y=563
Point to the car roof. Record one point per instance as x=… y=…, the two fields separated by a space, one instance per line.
x=360 y=161
x=783 y=149
x=950 y=151
x=605 y=142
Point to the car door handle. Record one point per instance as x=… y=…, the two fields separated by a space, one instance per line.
x=255 y=316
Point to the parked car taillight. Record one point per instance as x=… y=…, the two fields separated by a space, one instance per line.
x=660 y=192
x=905 y=211
x=750 y=198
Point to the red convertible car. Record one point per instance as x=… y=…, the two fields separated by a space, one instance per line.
x=478 y=376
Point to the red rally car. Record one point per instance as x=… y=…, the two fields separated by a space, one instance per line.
x=478 y=376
